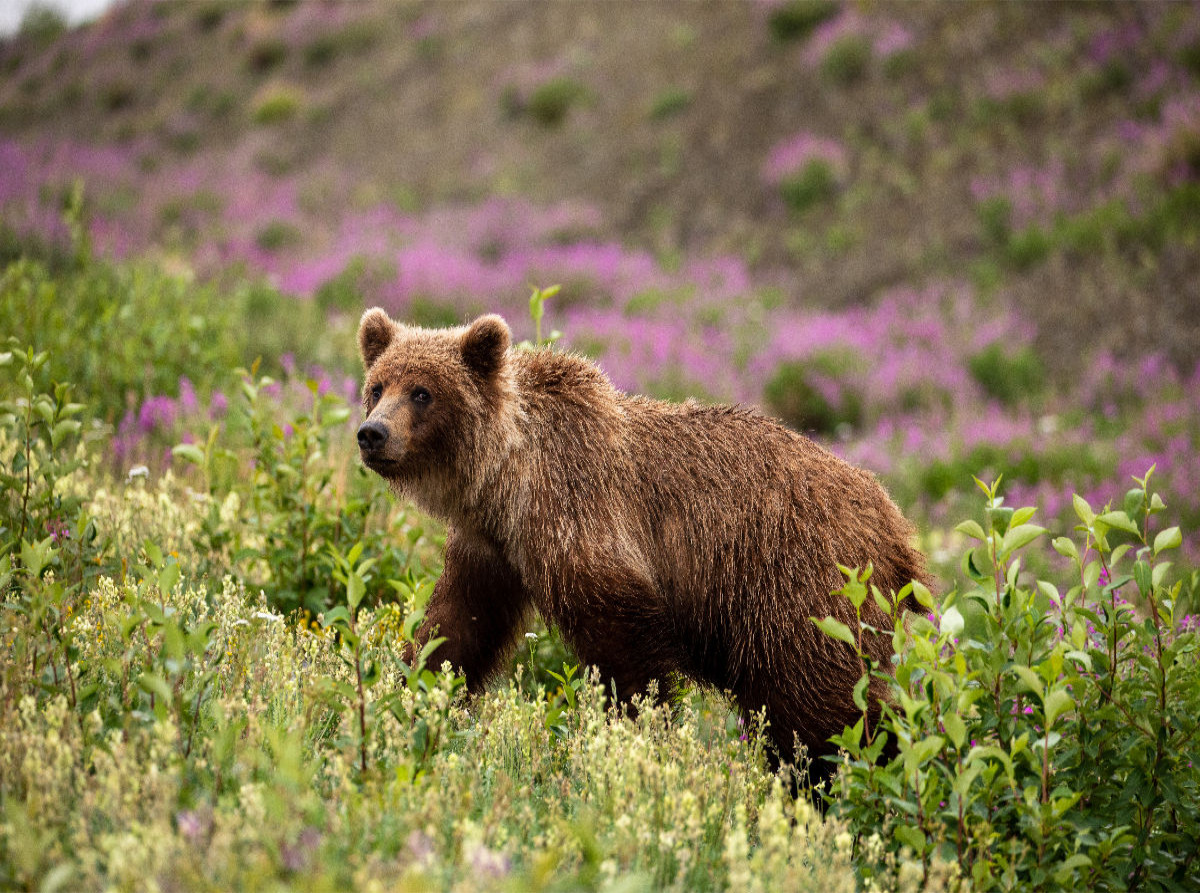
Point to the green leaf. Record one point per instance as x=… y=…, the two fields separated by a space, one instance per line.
x=1083 y=510
x=155 y=685
x=1064 y=871
x=1050 y=591
x=1021 y=515
x=926 y=749
x=370 y=673
x=1057 y=703
x=45 y=409
x=1021 y=535
x=1160 y=572
x=952 y=622
x=983 y=752
x=37 y=555
x=334 y=615
x=1065 y=547
x=1142 y=576
x=1170 y=538
x=924 y=596
x=168 y=577
x=154 y=553
x=955 y=728
x=189 y=452
x=971 y=529
x=1031 y=679
x=860 y=690
x=1133 y=501
x=836 y=629
x=63 y=429
x=880 y=599
x=911 y=836
x=1119 y=521
x=355 y=590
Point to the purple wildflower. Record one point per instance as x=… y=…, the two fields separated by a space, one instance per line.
x=157 y=413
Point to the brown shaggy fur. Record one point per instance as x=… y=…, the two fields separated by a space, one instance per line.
x=659 y=538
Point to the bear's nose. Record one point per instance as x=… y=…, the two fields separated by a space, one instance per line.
x=371 y=436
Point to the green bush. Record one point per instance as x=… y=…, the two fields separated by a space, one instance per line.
x=1010 y=376
x=847 y=59
x=432 y=314
x=353 y=39
x=796 y=19
x=267 y=54
x=277 y=105
x=995 y=217
x=1046 y=733
x=125 y=333
x=793 y=395
x=812 y=184
x=551 y=101
x=669 y=103
x=42 y=24
x=276 y=235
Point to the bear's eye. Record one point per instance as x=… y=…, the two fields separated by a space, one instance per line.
x=376 y=393
x=421 y=397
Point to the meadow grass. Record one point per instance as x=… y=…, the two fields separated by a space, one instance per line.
x=203 y=686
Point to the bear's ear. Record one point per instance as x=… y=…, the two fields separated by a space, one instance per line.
x=375 y=333
x=484 y=344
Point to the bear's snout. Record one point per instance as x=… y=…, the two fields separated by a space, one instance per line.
x=372 y=436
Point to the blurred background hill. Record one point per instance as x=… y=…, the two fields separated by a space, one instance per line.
x=958 y=235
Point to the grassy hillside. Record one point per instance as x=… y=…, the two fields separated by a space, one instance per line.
x=296 y=134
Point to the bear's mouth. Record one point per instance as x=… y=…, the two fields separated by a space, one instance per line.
x=379 y=464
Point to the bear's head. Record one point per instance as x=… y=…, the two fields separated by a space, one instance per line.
x=433 y=401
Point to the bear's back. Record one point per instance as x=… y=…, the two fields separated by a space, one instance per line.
x=713 y=497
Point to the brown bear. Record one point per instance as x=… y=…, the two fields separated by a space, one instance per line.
x=659 y=538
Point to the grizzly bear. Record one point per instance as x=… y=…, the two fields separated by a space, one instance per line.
x=661 y=539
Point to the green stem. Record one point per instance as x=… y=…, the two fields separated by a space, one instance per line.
x=28 y=464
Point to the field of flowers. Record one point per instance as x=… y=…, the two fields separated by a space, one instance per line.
x=949 y=242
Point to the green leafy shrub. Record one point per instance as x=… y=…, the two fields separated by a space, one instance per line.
x=266 y=54
x=277 y=105
x=276 y=235
x=1010 y=376
x=123 y=332
x=42 y=23
x=117 y=95
x=1045 y=734
x=37 y=426
x=209 y=16
x=847 y=59
x=938 y=478
x=808 y=396
x=432 y=314
x=551 y=101
x=352 y=39
x=796 y=19
x=813 y=183
x=669 y=103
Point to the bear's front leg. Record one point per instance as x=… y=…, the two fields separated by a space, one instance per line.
x=477 y=606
